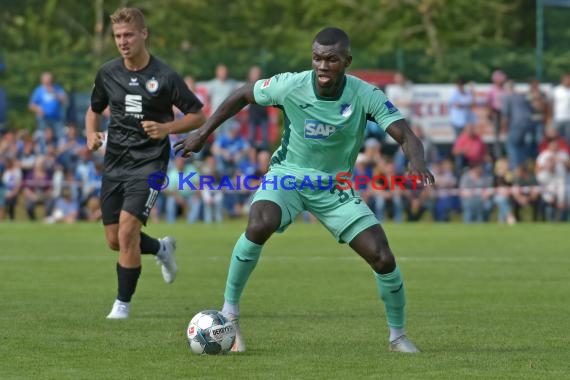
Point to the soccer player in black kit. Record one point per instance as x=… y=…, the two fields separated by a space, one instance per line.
x=140 y=91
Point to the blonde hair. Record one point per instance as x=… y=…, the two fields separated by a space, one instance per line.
x=128 y=15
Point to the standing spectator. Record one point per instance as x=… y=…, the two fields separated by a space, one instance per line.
x=517 y=121
x=219 y=89
x=48 y=102
x=494 y=102
x=257 y=116
x=401 y=94
x=460 y=107
x=561 y=107
x=539 y=103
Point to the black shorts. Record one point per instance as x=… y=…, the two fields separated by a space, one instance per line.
x=132 y=195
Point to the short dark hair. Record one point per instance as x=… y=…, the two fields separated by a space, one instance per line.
x=332 y=36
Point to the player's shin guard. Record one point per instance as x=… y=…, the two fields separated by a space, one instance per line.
x=243 y=262
x=391 y=291
x=127 y=278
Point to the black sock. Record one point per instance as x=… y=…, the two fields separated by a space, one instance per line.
x=127 y=278
x=149 y=245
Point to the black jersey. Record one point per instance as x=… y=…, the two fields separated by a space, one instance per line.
x=135 y=96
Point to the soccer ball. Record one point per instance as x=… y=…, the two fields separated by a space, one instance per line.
x=210 y=333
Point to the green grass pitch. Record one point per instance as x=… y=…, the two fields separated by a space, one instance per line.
x=484 y=302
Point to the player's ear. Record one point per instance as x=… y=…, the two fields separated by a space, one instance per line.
x=348 y=61
x=145 y=32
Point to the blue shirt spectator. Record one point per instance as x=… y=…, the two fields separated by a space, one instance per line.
x=460 y=103
x=48 y=102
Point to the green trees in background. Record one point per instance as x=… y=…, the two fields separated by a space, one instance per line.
x=432 y=40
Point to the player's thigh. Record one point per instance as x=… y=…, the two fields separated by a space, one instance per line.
x=288 y=201
x=342 y=212
x=139 y=199
x=112 y=193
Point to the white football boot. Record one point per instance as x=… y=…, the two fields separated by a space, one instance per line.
x=239 y=344
x=120 y=310
x=403 y=344
x=165 y=257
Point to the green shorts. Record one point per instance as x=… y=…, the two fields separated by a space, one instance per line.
x=342 y=212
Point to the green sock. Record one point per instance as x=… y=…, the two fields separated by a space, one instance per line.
x=391 y=291
x=243 y=262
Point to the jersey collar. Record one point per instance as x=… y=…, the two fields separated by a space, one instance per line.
x=319 y=97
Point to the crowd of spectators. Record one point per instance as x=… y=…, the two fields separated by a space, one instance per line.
x=48 y=174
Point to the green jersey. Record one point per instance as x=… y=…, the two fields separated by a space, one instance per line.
x=322 y=136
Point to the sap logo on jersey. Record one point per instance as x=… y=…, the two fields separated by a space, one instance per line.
x=316 y=129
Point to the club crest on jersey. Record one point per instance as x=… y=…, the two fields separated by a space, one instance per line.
x=316 y=129
x=346 y=110
x=266 y=83
x=391 y=108
x=152 y=85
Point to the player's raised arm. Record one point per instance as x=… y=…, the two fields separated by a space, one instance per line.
x=229 y=107
x=413 y=149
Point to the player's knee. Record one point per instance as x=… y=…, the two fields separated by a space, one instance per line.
x=260 y=229
x=113 y=244
x=383 y=261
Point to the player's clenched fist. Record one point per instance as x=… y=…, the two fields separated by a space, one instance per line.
x=95 y=140
x=154 y=130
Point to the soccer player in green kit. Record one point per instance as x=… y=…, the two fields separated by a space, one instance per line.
x=325 y=118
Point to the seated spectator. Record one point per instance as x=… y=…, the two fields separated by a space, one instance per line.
x=525 y=192
x=69 y=148
x=45 y=142
x=66 y=208
x=469 y=149
x=180 y=197
x=37 y=190
x=12 y=182
x=442 y=197
x=552 y=166
x=476 y=195
x=552 y=134
x=212 y=200
x=502 y=182
x=388 y=201
x=27 y=156
x=228 y=149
